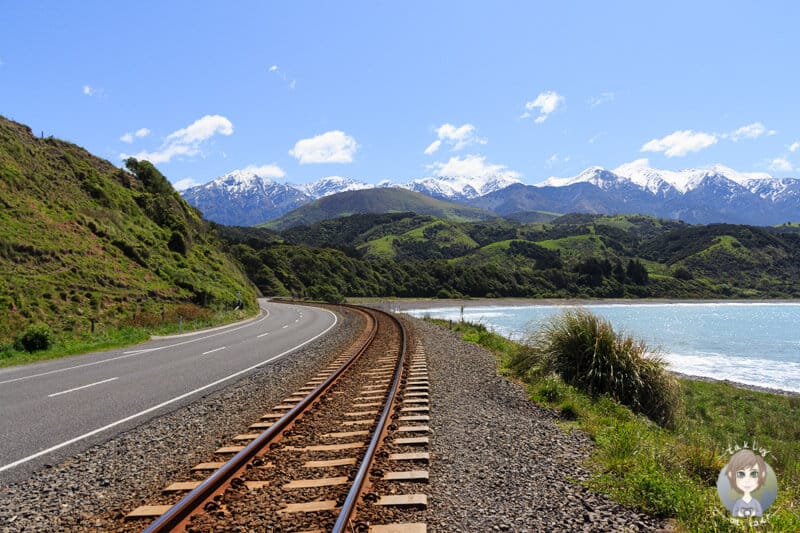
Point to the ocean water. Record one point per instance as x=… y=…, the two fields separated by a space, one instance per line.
x=752 y=343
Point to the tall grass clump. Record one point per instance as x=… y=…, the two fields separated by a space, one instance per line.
x=586 y=353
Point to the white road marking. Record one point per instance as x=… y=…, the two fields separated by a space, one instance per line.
x=263 y=335
x=214 y=350
x=164 y=404
x=81 y=387
x=286 y=326
x=132 y=353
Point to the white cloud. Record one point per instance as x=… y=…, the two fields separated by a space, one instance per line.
x=603 y=98
x=88 y=91
x=680 y=143
x=265 y=171
x=556 y=159
x=329 y=147
x=471 y=166
x=202 y=129
x=751 y=131
x=185 y=141
x=546 y=103
x=433 y=147
x=458 y=137
x=185 y=183
x=794 y=146
x=127 y=137
x=282 y=75
x=779 y=164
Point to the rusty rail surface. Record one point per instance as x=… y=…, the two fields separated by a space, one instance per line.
x=346 y=515
x=194 y=501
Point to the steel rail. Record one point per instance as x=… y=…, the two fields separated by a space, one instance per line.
x=192 y=502
x=347 y=512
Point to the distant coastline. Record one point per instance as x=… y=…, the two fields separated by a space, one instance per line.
x=405 y=304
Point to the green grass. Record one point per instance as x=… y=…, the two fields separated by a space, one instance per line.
x=672 y=473
x=576 y=246
x=380 y=248
x=109 y=338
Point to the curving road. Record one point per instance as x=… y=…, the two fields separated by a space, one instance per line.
x=49 y=411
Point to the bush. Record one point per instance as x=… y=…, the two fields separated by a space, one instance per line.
x=585 y=352
x=35 y=338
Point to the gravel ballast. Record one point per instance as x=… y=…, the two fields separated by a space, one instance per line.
x=499 y=462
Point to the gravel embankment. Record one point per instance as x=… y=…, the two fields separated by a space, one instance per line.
x=112 y=478
x=499 y=461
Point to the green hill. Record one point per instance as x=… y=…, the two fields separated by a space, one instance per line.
x=84 y=243
x=587 y=256
x=381 y=200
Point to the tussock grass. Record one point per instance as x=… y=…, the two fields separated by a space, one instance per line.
x=586 y=352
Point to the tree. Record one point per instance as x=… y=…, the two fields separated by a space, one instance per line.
x=152 y=180
x=637 y=272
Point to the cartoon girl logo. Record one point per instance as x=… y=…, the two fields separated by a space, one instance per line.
x=747 y=485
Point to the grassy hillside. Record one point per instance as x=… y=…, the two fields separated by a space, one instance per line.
x=85 y=244
x=382 y=200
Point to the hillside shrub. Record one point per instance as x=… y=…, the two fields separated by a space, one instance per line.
x=586 y=352
x=35 y=338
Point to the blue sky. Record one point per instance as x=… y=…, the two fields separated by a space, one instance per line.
x=401 y=90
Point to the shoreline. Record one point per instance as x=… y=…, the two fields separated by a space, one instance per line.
x=739 y=385
x=405 y=304
x=402 y=305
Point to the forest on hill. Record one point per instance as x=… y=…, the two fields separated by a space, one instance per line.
x=585 y=256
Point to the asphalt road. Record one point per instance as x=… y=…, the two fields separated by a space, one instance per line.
x=52 y=410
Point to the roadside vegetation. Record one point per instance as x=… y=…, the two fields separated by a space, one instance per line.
x=667 y=466
x=39 y=343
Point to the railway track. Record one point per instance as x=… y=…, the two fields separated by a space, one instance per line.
x=347 y=452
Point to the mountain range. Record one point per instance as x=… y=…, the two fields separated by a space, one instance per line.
x=697 y=196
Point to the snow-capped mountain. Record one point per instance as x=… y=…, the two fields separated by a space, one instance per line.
x=658 y=182
x=243 y=198
x=458 y=188
x=704 y=195
x=331 y=185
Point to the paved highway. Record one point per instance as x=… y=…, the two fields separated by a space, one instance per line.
x=52 y=410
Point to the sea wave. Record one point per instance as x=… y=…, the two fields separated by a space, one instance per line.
x=747 y=370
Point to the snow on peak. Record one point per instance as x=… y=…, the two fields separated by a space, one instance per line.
x=597 y=176
x=245 y=179
x=332 y=185
x=684 y=180
x=462 y=186
x=658 y=181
